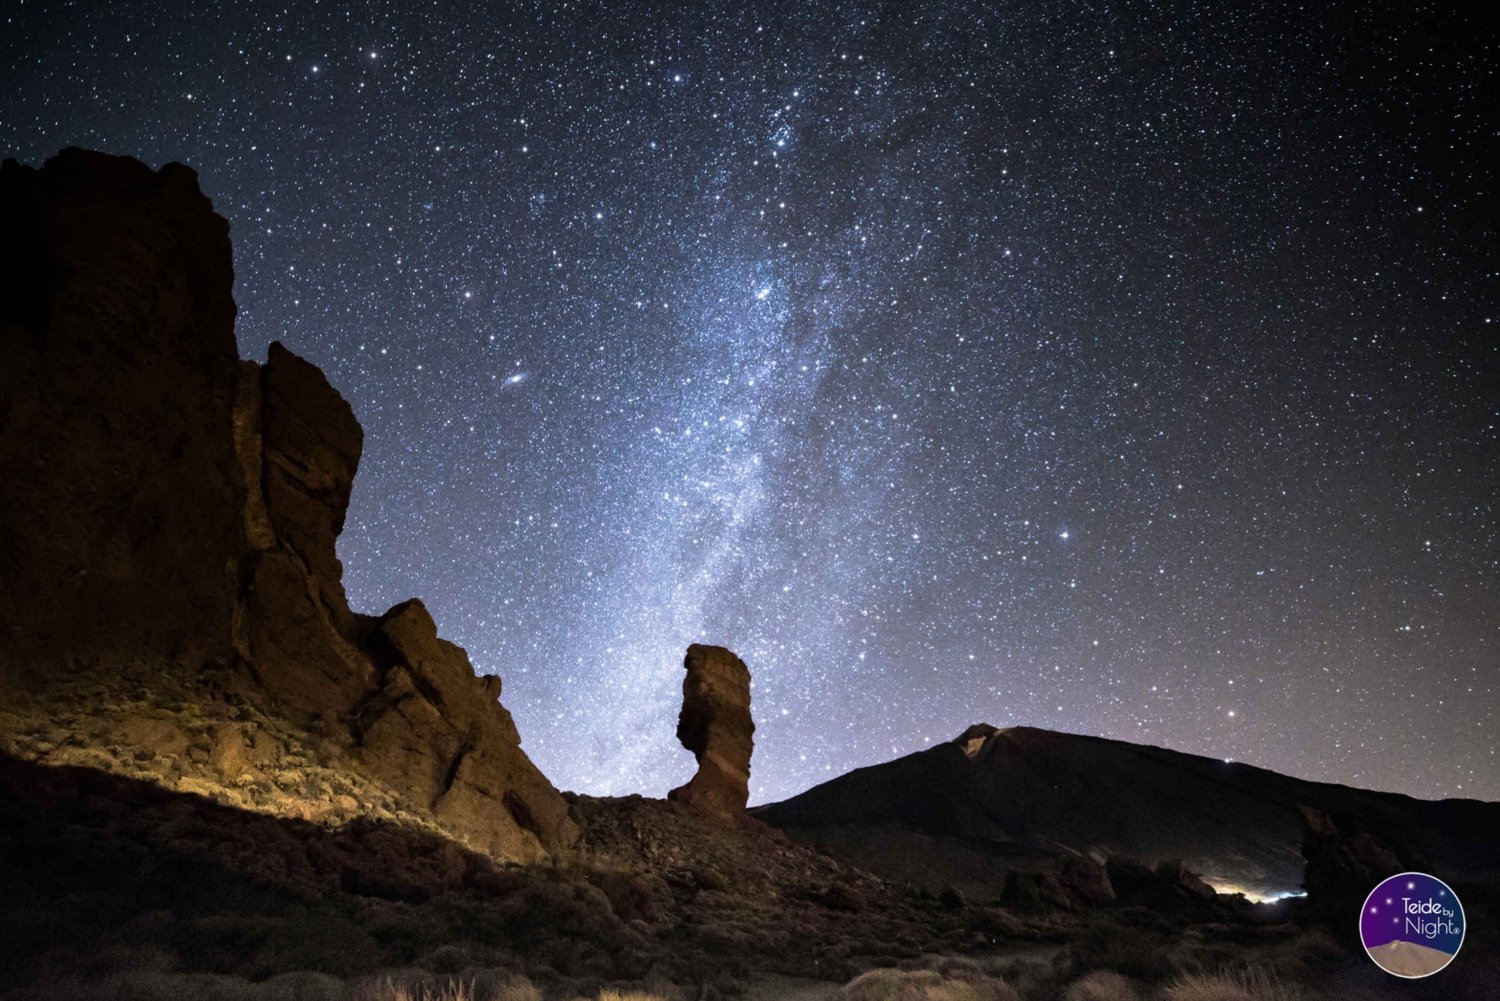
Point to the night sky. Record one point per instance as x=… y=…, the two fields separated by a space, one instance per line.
x=1126 y=370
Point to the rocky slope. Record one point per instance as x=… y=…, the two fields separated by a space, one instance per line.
x=966 y=810
x=108 y=874
x=171 y=604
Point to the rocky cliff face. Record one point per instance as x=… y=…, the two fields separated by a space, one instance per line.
x=169 y=515
x=119 y=484
x=715 y=725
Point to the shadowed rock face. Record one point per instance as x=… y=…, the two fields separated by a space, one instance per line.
x=715 y=725
x=163 y=503
x=1346 y=858
x=119 y=486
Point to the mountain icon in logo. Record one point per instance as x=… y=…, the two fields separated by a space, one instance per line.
x=1407 y=959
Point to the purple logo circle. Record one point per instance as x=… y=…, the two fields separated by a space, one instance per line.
x=1412 y=925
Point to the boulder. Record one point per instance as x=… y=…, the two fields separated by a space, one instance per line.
x=1039 y=890
x=1066 y=883
x=1174 y=875
x=1130 y=878
x=1086 y=881
x=715 y=725
x=429 y=696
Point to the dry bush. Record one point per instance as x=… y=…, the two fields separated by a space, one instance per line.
x=1206 y=987
x=509 y=987
x=1031 y=976
x=634 y=896
x=889 y=985
x=512 y=987
x=1122 y=949
x=609 y=995
x=1253 y=984
x=1316 y=950
x=388 y=989
x=1102 y=985
x=962 y=982
x=140 y=987
x=301 y=985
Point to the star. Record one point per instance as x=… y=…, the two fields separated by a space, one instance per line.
x=862 y=330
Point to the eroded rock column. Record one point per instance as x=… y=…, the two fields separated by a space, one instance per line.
x=715 y=725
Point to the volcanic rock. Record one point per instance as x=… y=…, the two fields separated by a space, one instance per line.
x=1067 y=883
x=1346 y=857
x=1177 y=876
x=1352 y=856
x=169 y=515
x=715 y=725
x=120 y=490
x=1039 y=890
x=1128 y=877
x=1086 y=881
x=1000 y=796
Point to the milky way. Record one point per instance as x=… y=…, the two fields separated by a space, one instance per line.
x=1127 y=371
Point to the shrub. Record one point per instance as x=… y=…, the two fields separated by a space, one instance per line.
x=510 y=987
x=1120 y=949
x=1206 y=987
x=958 y=982
x=1317 y=950
x=322 y=940
x=142 y=987
x=1102 y=985
x=634 y=896
x=1253 y=984
x=301 y=985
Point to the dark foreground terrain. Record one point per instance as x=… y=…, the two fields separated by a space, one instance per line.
x=118 y=888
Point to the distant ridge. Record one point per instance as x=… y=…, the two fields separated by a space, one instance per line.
x=956 y=811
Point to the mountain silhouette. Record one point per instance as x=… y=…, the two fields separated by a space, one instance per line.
x=962 y=811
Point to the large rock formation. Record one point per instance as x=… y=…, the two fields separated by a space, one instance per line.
x=170 y=512
x=1346 y=859
x=715 y=725
x=119 y=484
x=994 y=798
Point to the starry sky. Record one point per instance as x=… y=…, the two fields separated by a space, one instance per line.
x=1125 y=369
